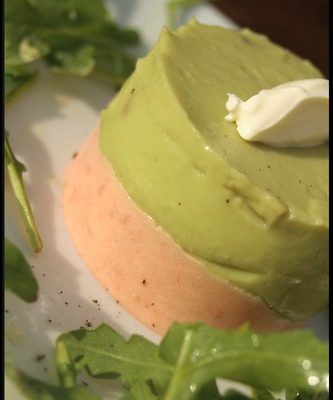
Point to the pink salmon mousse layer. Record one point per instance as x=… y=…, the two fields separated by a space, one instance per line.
x=139 y=263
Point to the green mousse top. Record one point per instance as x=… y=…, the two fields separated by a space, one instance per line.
x=252 y=214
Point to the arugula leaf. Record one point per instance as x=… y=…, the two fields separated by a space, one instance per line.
x=34 y=389
x=191 y=356
x=106 y=354
x=174 y=7
x=296 y=394
x=18 y=275
x=232 y=394
x=15 y=170
x=15 y=77
x=211 y=392
x=274 y=361
x=72 y=36
x=262 y=394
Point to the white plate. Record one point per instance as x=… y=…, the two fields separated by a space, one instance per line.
x=47 y=122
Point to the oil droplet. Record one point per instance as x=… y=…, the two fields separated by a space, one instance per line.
x=216 y=349
x=306 y=364
x=195 y=355
x=313 y=380
x=193 y=387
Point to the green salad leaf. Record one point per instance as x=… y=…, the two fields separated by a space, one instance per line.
x=71 y=36
x=105 y=354
x=186 y=364
x=211 y=392
x=15 y=77
x=15 y=170
x=232 y=394
x=296 y=394
x=200 y=353
x=192 y=356
x=35 y=389
x=18 y=274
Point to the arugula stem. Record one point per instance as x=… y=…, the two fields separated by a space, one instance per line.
x=176 y=380
x=15 y=169
x=66 y=373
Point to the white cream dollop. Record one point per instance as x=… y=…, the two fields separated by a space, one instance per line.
x=294 y=114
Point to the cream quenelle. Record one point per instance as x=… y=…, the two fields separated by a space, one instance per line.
x=292 y=114
x=179 y=216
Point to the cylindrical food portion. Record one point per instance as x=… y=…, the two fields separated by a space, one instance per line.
x=140 y=264
x=179 y=216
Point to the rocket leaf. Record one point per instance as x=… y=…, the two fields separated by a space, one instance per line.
x=191 y=356
x=296 y=394
x=106 y=354
x=15 y=170
x=273 y=361
x=71 y=36
x=18 y=275
x=15 y=77
x=35 y=389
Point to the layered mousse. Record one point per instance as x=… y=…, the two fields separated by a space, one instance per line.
x=179 y=217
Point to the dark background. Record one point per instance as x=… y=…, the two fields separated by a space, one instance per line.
x=299 y=25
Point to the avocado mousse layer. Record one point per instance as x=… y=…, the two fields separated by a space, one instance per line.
x=255 y=215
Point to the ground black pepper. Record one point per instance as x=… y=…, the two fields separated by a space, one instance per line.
x=40 y=357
